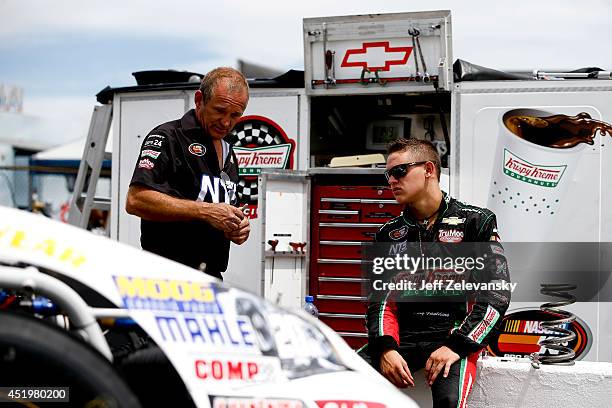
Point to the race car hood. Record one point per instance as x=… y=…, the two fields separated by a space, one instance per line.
x=229 y=346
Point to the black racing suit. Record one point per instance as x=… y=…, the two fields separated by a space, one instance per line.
x=417 y=328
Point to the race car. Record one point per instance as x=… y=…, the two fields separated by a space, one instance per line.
x=98 y=323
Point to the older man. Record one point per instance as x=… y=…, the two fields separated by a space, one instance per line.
x=184 y=183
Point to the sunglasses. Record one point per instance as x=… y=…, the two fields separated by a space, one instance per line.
x=400 y=170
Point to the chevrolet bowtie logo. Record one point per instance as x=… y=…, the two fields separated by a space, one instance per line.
x=453 y=220
x=371 y=55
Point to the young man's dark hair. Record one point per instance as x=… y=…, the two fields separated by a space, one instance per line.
x=424 y=149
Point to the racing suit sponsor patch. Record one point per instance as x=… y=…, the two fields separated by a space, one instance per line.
x=450 y=235
x=146 y=164
x=154 y=154
x=197 y=149
x=485 y=326
x=452 y=220
x=398 y=233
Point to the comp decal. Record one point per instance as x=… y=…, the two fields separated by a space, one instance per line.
x=167 y=295
x=259 y=143
x=237 y=369
x=522 y=330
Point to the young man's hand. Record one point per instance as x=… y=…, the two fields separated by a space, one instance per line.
x=395 y=369
x=441 y=359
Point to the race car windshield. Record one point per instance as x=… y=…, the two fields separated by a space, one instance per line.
x=301 y=347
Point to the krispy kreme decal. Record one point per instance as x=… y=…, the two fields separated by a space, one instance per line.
x=252 y=160
x=259 y=143
x=539 y=175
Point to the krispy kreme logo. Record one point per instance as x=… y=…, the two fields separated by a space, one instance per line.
x=544 y=176
x=252 y=160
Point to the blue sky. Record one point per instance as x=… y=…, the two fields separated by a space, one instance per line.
x=62 y=52
x=70 y=65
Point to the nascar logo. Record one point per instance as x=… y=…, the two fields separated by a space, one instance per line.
x=545 y=176
x=252 y=159
x=522 y=332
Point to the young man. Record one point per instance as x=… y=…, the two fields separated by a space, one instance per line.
x=184 y=183
x=444 y=337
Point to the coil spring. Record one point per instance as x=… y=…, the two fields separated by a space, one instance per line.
x=565 y=355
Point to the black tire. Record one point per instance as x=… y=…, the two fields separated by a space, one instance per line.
x=149 y=369
x=34 y=353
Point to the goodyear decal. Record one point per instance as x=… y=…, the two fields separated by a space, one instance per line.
x=167 y=295
x=522 y=332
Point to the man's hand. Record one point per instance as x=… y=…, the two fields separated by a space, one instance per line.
x=224 y=217
x=240 y=234
x=441 y=358
x=395 y=369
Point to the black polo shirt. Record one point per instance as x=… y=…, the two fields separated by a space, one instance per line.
x=178 y=158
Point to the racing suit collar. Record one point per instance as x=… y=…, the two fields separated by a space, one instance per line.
x=190 y=125
x=412 y=221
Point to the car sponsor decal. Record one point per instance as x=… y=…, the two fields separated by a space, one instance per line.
x=253 y=402
x=197 y=149
x=167 y=295
x=450 y=235
x=236 y=369
x=522 y=330
x=398 y=233
x=17 y=239
x=207 y=331
x=349 y=404
x=146 y=164
x=154 y=154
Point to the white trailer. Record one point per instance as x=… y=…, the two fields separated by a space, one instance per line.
x=370 y=79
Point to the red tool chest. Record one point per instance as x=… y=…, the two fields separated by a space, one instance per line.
x=343 y=217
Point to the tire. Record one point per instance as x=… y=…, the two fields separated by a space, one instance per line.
x=149 y=369
x=34 y=353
